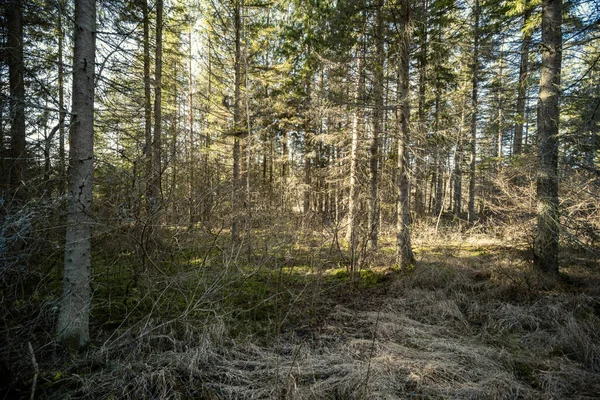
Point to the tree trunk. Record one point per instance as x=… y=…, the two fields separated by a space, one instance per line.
x=147 y=109
x=191 y=150
x=500 y=104
x=405 y=256
x=458 y=162
x=474 y=100
x=420 y=175
x=235 y=228
x=522 y=85
x=73 y=319
x=155 y=188
x=377 y=127
x=548 y=114
x=62 y=170
x=352 y=231
x=307 y=146
x=14 y=59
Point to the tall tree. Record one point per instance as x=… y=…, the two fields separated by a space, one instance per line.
x=522 y=85
x=474 y=104
x=405 y=256
x=237 y=120
x=548 y=114
x=148 y=147
x=377 y=126
x=155 y=198
x=14 y=59
x=73 y=319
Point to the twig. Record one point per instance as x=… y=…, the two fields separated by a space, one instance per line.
x=36 y=370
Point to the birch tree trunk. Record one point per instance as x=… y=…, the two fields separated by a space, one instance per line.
x=73 y=319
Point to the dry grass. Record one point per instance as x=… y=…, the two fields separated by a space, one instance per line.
x=465 y=323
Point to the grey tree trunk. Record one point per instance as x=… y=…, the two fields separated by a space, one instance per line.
x=14 y=59
x=62 y=169
x=352 y=231
x=548 y=114
x=420 y=173
x=377 y=127
x=155 y=198
x=458 y=162
x=474 y=100
x=522 y=85
x=73 y=318
x=148 y=146
x=405 y=256
x=235 y=228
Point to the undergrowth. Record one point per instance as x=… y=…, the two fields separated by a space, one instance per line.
x=291 y=320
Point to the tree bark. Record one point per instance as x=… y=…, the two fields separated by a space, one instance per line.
x=474 y=102
x=14 y=59
x=458 y=162
x=148 y=146
x=73 y=319
x=156 y=184
x=377 y=127
x=405 y=256
x=522 y=85
x=62 y=170
x=352 y=231
x=235 y=228
x=420 y=175
x=548 y=114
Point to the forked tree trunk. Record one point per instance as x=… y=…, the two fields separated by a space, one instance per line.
x=548 y=114
x=73 y=319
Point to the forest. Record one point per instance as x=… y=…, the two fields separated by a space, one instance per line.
x=300 y=199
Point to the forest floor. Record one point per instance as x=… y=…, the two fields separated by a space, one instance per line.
x=466 y=322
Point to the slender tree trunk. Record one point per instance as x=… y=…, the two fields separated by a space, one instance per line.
x=420 y=175
x=308 y=144
x=235 y=228
x=405 y=256
x=14 y=59
x=191 y=149
x=62 y=169
x=522 y=85
x=458 y=162
x=474 y=111
x=148 y=146
x=500 y=103
x=548 y=114
x=157 y=138
x=73 y=318
x=439 y=158
x=352 y=231
x=377 y=127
